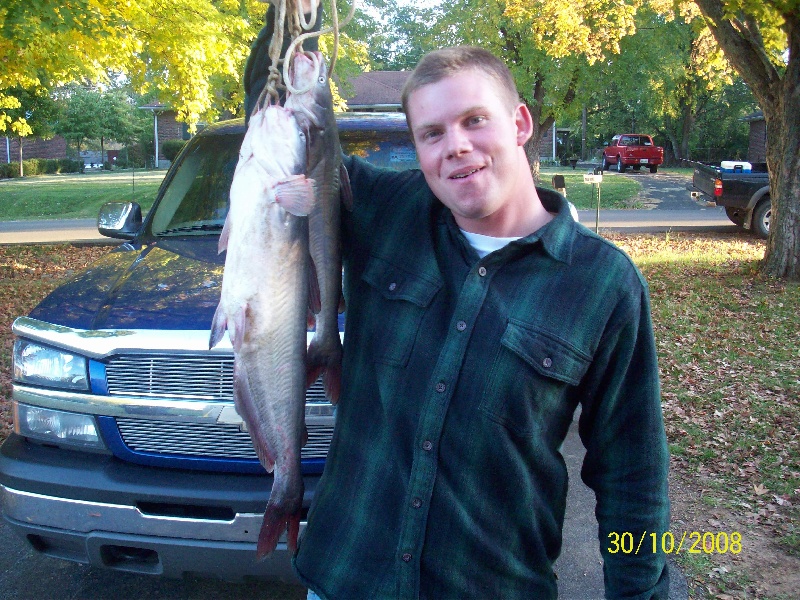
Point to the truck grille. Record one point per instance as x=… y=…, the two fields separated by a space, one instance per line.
x=208 y=440
x=189 y=377
x=200 y=378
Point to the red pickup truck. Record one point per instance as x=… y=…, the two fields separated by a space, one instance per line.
x=632 y=150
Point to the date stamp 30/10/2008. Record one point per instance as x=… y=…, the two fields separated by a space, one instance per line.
x=692 y=542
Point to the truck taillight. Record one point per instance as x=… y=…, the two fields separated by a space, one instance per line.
x=718 y=187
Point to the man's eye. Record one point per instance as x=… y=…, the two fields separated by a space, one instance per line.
x=431 y=135
x=476 y=120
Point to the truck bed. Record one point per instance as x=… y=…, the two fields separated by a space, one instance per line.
x=737 y=188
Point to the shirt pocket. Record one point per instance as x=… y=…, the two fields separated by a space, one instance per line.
x=400 y=298
x=531 y=374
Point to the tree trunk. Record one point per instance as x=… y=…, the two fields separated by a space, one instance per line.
x=782 y=257
x=532 y=151
x=777 y=95
x=21 y=170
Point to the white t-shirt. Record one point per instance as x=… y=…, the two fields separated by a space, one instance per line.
x=485 y=244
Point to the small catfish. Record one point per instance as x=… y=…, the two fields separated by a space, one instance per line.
x=313 y=110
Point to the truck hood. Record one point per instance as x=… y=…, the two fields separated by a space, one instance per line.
x=164 y=284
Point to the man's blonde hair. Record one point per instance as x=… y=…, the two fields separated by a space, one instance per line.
x=439 y=64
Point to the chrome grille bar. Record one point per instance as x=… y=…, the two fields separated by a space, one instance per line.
x=209 y=440
x=171 y=376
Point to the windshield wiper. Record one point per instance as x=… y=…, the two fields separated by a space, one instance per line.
x=191 y=228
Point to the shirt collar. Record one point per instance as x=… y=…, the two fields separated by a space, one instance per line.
x=555 y=237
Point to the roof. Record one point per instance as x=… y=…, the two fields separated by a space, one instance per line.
x=377 y=89
x=756 y=116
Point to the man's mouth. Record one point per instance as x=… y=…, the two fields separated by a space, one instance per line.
x=464 y=174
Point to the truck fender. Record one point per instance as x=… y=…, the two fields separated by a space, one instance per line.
x=757 y=197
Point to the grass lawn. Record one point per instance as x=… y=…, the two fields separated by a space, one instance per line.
x=615 y=192
x=730 y=374
x=75 y=196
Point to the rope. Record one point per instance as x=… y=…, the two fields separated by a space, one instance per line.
x=300 y=39
x=295 y=24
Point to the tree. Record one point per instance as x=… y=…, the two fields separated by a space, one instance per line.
x=761 y=39
x=33 y=116
x=550 y=46
x=90 y=114
x=191 y=52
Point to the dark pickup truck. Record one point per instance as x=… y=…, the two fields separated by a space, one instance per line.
x=740 y=187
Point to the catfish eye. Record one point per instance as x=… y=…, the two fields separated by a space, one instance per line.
x=321 y=79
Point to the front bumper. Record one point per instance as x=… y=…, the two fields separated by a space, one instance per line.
x=97 y=510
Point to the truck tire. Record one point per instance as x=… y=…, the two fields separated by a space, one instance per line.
x=620 y=167
x=762 y=215
x=735 y=215
x=654 y=168
x=605 y=166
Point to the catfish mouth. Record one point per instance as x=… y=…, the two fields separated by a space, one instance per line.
x=307 y=117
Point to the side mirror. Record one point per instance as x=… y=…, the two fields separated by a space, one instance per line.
x=605 y=143
x=120 y=220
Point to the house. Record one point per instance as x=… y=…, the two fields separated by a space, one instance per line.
x=757 y=146
x=32 y=147
x=165 y=127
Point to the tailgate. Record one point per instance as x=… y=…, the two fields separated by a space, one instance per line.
x=703 y=179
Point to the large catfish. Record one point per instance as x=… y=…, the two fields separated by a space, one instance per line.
x=264 y=306
x=314 y=112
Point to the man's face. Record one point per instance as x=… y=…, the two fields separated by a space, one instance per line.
x=468 y=139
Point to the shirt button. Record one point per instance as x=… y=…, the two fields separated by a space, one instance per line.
x=392 y=286
x=547 y=362
x=427 y=445
x=482 y=271
x=461 y=325
x=441 y=387
x=406 y=557
x=416 y=503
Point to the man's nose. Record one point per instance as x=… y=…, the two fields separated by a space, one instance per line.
x=458 y=142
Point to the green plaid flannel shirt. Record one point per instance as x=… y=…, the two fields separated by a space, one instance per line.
x=461 y=376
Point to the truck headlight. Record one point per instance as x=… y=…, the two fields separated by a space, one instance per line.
x=56 y=426
x=42 y=365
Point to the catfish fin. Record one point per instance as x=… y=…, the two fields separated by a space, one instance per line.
x=223 y=237
x=314 y=295
x=239 y=328
x=332 y=382
x=272 y=527
x=218 y=325
x=345 y=191
x=243 y=400
x=295 y=195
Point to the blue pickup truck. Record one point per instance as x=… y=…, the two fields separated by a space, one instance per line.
x=127 y=451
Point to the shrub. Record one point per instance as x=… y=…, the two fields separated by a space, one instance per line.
x=9 y=170
x=171 y=148
x=41 y=166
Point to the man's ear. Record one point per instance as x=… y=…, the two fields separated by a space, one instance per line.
x=524 y=122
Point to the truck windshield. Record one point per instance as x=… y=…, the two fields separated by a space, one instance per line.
x=196 y=200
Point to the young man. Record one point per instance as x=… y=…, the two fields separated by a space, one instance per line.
x=479 y=316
